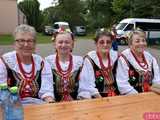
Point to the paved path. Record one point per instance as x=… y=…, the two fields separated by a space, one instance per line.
x=81 y=48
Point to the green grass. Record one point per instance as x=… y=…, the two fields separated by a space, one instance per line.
x=6 y=39
x=41 y=38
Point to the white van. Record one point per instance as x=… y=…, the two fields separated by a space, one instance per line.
x=150 y=26
x=58 y=25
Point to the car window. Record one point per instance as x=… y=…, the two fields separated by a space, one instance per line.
x=82 y=27
x=148 y=26
x=129 y=27
x=55 y=26
x=120 y=26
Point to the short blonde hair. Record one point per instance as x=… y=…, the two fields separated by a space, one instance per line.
x=135 y=32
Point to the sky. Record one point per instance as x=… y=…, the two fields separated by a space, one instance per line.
x=43 y=3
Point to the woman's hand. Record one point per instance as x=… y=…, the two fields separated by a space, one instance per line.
x=49 y=99
x=97 y=96
x=82 y=98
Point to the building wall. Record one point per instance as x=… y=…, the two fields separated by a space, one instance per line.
x=21 y=17
x=8 y=16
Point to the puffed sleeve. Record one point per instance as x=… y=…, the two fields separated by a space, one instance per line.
x=156 y=71
x=46 y=82
x=87 y=81
x=122 y=78
x=3 y=72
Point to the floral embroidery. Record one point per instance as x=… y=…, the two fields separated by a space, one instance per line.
x=131 y=73
x=132 y=78
x=99 y=77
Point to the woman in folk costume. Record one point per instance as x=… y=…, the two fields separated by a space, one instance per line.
x=65 y=67
x=26 y=70
x=137 y=69
x=97 y=75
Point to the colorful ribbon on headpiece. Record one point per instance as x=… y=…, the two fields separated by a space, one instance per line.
x=62 y=29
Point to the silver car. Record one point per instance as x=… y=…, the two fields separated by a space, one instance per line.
x=79 y=30
x=48 y=30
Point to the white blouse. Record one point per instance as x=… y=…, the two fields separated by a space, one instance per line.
x=87 y=77
x=122 y=76
x=46 y=75
x=77 y=62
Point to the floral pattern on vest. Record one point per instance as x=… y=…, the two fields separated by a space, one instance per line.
x=105 y=80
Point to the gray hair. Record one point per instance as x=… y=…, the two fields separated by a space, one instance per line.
x=25 y=28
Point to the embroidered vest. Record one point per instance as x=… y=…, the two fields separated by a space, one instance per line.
x=15 y=79
x=101 y=83
x=138 y=78
x=73 y=85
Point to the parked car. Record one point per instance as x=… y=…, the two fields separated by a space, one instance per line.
x=48 y=30
x=150 y=26
x=61 y=25
x=100 y=30
x=79 y=30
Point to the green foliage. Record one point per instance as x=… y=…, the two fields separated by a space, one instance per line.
x=146 y=8
x=136 y=9
x=67 y=10
x=31 y=9
x=91 y=13
x=50 y=15
x=71 y=11
x=122 y=8
x=99 y=13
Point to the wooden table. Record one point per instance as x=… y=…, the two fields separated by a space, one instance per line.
x=112 y=108
x=131 y=107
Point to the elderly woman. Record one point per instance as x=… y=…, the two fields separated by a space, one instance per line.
x=137 y=69
x=97 y=75
x=26 y=70
x=65 y=67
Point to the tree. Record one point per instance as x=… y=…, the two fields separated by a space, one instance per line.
x=146 y=8
x=122 y=9
x=71 y=11
x=50 y=15
x=66 y=10
x=136 y=8
x=99 y=13
x=33 y=14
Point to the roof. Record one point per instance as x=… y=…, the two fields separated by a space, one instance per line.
x=132 y=20
x=62 y=23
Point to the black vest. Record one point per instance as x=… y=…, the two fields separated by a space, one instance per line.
x=100 y=80
x=136 y=78
x=73 y=84
x=15 y=79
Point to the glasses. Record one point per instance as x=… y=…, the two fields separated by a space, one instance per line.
x=22 y=41
x=105 y=41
